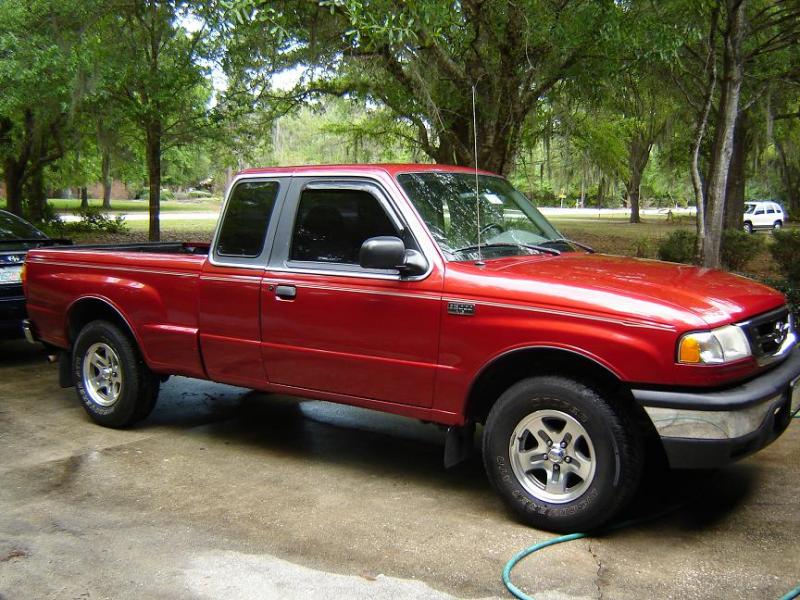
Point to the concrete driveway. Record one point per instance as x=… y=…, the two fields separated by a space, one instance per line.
x=225 y=493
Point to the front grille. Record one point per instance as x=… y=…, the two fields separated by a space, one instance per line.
x=767 y=333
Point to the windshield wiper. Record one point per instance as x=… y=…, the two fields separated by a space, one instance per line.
x=544 y=249
x=588 y=249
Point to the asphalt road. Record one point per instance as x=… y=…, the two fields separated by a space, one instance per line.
x=226 y=493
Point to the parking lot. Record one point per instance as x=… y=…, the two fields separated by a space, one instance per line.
x=227 y=493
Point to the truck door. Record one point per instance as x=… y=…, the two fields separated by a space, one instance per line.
x=329 y=325
x=230 y=284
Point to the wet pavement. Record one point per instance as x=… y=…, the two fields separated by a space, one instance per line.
x=227 y=493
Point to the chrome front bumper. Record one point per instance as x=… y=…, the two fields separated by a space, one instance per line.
x=717 y=424
x=710 y=429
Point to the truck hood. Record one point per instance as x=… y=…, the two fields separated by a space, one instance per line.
x=641 y=290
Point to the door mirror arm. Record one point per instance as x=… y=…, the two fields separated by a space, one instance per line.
x=414 y=264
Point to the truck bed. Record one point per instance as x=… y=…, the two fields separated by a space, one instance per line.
x=200 y=248
x=153 y=286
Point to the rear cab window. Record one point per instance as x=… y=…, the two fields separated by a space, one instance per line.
x=246 y=224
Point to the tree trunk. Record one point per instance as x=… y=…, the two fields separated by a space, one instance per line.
x=37 y=198
x=154 y=173
x=733 y=65
x=638 y=156
x=106 y=174
x=84 y=198
x=790 y=177
x=737 y=176
x=13 y=177
x=633 y=185
x=601 y=191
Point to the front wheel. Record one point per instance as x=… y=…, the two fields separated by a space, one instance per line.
x=562 y=457
x=748 y=227
x=777 y=225
x=114 y=385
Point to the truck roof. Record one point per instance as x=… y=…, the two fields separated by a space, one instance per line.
x=392 y=169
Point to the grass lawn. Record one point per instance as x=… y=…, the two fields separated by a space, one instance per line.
x=618 y=236
x=608 y=235
x=64 y=205
x=191 y=229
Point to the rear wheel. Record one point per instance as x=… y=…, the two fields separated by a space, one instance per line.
x=114 y=385
x=777 y=225
x=562 y=457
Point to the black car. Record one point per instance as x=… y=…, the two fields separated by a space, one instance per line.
x=16 y=238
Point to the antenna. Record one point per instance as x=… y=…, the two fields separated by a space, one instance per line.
x=477 y=191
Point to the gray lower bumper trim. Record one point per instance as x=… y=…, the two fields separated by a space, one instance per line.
x=770 y=384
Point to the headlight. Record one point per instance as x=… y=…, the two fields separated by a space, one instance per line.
x=718 y=346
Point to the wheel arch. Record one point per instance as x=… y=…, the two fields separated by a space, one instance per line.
x=510 y=367
x=94 y=308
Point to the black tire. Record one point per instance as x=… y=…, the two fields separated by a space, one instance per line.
x=137 y=388
x=748 y=227
x=777 y=225
x=616 y=452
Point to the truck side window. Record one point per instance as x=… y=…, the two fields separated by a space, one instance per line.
x=331 y=225
x=244 y=227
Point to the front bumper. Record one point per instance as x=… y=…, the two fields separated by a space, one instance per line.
x=711 y=429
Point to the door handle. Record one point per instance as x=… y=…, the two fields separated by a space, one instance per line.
x=286 y=292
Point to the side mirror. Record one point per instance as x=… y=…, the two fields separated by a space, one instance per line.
x=389 y=252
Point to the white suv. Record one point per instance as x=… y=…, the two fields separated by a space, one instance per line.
x=762 y=215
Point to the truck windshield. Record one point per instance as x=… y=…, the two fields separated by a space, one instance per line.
x=504 y=220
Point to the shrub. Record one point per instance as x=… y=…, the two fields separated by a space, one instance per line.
x=788 y=289
x=94 y=220
x=51 y=222
x=678 y=247
x=738 y=248
x=199 y=194
x=642 y=247
x=167 y=194
x=785 y=250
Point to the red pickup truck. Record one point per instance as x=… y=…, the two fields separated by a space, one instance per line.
x=440 y=294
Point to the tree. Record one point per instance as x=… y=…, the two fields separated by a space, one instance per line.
x=152 y=66
x=735 y=50
x=421 y=60
x=40 y=58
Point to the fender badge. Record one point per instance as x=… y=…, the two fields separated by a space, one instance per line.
x=464 y=309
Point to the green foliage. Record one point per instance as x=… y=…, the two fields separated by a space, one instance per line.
x=738 y=248
x=337 y=131
x=785 y=250
x=643 y=247
x=49 y=220
x=791 y=289
x=94 y=220
x=678 y=246
x=421 y=59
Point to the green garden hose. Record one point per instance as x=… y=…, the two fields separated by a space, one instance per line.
x=518 y=593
